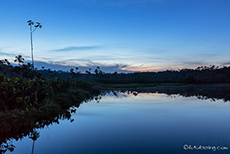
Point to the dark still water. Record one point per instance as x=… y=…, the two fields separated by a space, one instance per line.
x=137 y=123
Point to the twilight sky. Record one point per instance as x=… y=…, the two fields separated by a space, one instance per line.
x=118 y=35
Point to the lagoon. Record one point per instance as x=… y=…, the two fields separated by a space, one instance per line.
x=137 y=122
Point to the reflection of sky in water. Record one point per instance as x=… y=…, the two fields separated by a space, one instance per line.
x=146 y=123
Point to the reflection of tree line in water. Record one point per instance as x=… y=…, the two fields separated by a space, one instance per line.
x=32 y=131
x=213 y=92
x=8 y=145
x=201 y=92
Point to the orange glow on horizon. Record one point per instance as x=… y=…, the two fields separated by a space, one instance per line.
x=155 y=69
x=146 y=69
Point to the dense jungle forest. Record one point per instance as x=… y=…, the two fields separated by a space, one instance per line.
x=200 y=75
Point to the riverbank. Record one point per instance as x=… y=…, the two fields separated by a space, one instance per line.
x=27 y=103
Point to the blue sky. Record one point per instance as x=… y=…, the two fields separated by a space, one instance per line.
x=118 y=35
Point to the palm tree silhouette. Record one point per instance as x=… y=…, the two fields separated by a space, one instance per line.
x=34 y=136
x=38 y=25
x=5 y=62
x=19 y=59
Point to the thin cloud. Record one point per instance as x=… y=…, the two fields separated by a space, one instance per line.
x=12 y=55
x=59 y=65
x=225 y=63
x=79 y=60
x=76 y=48
x=6 y=54
x=193 y=63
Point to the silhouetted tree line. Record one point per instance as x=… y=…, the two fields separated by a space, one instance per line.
x=200 y=75
x=22 y=70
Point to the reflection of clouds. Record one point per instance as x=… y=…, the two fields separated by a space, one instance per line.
x=211 y=93
x=127 y=93
x=117 y=94
x=86 y=114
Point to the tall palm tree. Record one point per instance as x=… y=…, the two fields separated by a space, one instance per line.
x=37 y=25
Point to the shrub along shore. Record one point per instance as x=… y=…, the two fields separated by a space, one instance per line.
x=31 y=100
